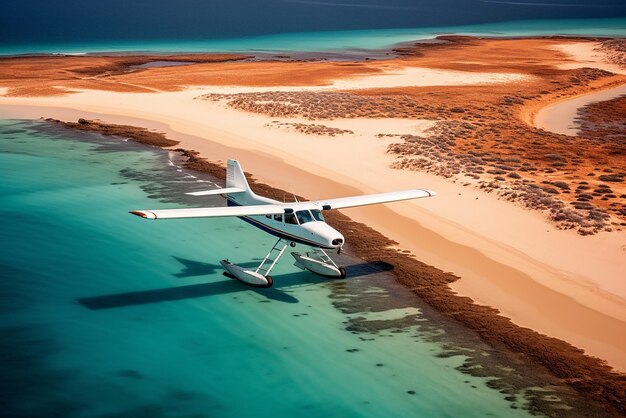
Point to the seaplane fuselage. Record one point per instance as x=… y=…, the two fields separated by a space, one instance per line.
x=302 y=226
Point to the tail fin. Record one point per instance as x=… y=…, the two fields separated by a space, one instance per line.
x=235 y=177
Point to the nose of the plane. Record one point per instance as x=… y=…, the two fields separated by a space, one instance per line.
x=338 y=241
x=325 y=234
x=333 y=237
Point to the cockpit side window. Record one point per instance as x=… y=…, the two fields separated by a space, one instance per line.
x=304 y=216
x=317 y=215
x=278 y=218
x=290 y=218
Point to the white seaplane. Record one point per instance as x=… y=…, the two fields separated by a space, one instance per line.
x=292 y=222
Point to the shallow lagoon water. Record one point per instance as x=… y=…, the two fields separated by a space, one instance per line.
x=103 y=314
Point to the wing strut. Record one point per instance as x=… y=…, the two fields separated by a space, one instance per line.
x=272 y=257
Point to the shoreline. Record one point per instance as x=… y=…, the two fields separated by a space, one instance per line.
x=429 y=283
x=128 y=60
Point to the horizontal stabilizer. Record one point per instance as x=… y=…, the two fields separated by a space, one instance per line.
x=226 y=190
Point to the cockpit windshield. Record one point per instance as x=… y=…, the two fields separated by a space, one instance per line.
x=317 y=215
x=304 y=216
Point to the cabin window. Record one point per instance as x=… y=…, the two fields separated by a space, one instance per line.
x=268 y=216
x=317 y=215
x=304 y=216
x=290 y=218
x=278 y=218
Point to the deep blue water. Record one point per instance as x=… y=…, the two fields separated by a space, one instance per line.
x=278 y=25
x=103 y=314
x=43 y=21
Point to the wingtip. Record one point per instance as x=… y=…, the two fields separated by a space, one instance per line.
x=143 y=214
x=430 y=193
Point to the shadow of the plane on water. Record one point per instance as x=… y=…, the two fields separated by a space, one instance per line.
x=191 y=268
x=366 y=269
x=195 y=268
x=167 y=294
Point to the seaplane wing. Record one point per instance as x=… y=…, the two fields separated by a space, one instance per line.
x=370 y=199
x=281 y=208
x=215 y=212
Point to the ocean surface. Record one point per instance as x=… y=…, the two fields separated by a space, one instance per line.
x=74 y=21
x=319 y=41
x=103 y=314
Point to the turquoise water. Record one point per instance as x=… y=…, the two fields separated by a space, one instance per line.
x=331 y=40
x=103 y=314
